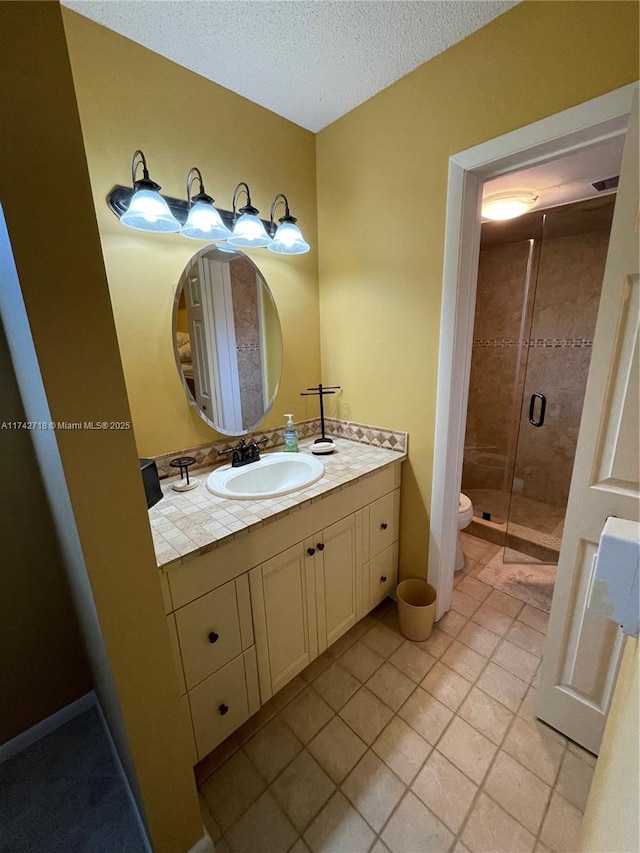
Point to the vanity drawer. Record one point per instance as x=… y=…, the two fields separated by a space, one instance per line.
x=209 y=633
x=384 y=515
x=383 y=574
x=219 y=706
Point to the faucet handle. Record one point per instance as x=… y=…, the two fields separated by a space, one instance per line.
x=237 y=449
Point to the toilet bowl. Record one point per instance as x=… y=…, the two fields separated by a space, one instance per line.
x=465 y=517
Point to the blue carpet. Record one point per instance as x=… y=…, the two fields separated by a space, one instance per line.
x=64 y=794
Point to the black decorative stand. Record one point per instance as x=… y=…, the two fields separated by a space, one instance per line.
x=324 y=444
x=185 y=484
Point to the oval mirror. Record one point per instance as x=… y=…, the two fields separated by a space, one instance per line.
x=227 y=340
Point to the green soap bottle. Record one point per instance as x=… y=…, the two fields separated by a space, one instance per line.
x=290 y=436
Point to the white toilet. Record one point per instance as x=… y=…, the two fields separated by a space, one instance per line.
x=465 y=517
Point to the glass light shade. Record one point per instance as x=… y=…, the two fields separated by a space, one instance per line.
x=249 y=232
x=225 y=247
x=288 y=240
x=204 y=223
x=148 y=211
x=507 y=205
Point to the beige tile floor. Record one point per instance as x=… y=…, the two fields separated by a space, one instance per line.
x=387 y=745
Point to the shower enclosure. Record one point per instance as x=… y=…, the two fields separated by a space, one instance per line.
x=539 y=283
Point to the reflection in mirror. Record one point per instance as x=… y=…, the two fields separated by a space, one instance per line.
x=227 y=340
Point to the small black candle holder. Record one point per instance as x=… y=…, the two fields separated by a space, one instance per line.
x=185 y=483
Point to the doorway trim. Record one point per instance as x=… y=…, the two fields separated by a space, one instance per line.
x=563 y=133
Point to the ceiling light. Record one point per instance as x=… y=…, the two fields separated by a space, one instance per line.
x=147 y=211
x=288 y=239
x=508 y=205
x=203 y=222
x=248 y=232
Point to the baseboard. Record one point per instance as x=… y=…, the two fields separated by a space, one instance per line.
x=204 y=845
x=46 y=726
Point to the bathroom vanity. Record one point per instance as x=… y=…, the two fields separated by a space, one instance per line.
x=250 y=609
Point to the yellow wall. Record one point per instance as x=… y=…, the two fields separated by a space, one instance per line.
x=612 y=817
x=382 y=183
x=129 y=98
x=38 y=678
x=381 y=174
x=62 y=277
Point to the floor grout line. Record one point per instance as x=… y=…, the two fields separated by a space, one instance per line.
x=385 y=617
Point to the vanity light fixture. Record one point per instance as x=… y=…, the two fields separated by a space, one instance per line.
x=203 y=222
x=248 y=231
x=508 y=205
x=143 y=208
x=287 y=239
x=147 y=211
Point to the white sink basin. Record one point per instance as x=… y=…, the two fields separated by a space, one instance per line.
x=273 y=475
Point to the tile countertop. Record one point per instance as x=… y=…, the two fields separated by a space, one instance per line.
x=185 y=524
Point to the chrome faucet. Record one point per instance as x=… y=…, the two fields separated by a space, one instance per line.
x=243 y=453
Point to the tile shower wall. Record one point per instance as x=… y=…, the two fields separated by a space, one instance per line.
x=533 y=335
x=249 y=351
x=495 y=387
x=566 y=306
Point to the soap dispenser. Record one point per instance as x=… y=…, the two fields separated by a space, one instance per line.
x=290 y=436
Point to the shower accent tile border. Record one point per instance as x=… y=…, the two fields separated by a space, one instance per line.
x=569 y=343
x=530 y=343
x=206 y=455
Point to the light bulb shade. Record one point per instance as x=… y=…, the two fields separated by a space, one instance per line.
x=288 y=240
x=249 y=233
x=225 y=247
x=148 y=211
x=507 y=205
x=204 y=223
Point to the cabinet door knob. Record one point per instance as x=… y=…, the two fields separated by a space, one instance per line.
x=223 y=709
x=213 y=637
x=383 y=526
x=383 y=578
x=320 y=546
x=311 y=551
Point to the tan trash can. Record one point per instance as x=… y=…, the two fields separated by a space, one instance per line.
x=416 y=608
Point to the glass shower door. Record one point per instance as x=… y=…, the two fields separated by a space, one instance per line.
x=572 y=254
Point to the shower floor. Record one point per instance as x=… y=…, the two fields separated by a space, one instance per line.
x=534 y=530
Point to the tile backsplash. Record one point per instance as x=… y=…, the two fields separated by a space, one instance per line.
x=206 y=455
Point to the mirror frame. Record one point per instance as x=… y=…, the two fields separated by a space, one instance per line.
x=228 y=257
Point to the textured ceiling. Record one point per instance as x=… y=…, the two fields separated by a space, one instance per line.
x=567 y=178
x=310 y=62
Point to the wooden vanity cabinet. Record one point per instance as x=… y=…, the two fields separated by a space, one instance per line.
x=382 y=519
x=214 y=652
x=337 y=566
x=284 y=618
x=253 y=613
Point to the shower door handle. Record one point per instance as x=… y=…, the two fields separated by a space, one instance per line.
x=543 y=406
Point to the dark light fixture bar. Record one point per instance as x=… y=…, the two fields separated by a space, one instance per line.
x=119 y=198
x=144 y=209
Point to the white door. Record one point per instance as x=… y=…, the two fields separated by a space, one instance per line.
x=583 y=650
x=199 y=334
x=223 y=357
